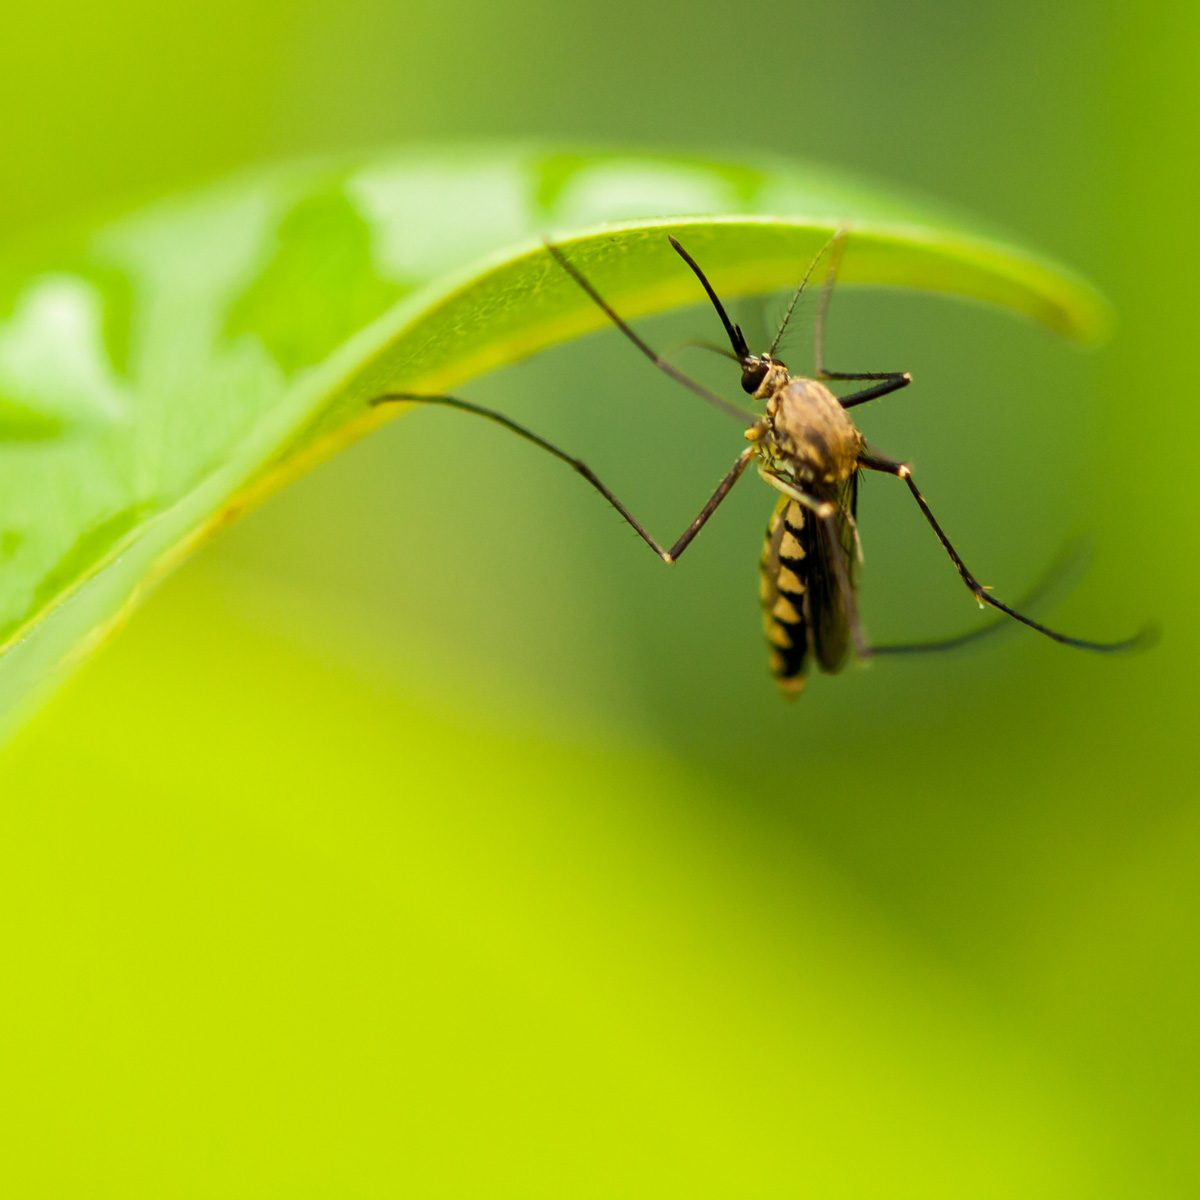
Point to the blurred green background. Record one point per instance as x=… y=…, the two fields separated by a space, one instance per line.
x=392 y=851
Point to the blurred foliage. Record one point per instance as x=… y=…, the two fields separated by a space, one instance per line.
x=421 y=836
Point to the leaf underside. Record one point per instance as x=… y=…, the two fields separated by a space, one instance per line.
x=163 y=371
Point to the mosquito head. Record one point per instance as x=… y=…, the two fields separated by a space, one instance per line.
x=761 y=374
x=754 y=371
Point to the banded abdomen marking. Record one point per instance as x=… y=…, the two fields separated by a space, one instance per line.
x=782 y=590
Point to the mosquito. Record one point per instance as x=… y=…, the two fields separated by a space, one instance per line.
x=806 y=447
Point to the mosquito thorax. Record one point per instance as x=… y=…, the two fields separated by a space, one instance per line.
x=809 y=435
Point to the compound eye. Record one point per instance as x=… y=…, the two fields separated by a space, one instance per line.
x=752 y=378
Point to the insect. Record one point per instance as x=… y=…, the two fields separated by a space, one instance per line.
x=807 y=448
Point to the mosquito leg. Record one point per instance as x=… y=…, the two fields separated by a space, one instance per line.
x=656 y=358
x=723 y=489
x=893 y=381
x=888 y=381
x=887 y=466
x=668 y=556
x=936 y=645
x=835 y=263
x=1053 y=578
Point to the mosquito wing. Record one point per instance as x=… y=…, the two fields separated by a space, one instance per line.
x=833 y=592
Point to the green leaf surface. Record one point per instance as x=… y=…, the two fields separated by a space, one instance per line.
x=162 y=371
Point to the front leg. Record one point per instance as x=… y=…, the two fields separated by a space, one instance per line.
x=892 y=381
x=581 y=468
x=888 y=381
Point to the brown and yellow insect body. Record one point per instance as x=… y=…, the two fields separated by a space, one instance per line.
x=808 y=448
x=783 y=591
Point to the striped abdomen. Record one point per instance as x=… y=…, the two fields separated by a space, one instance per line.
x=783 y=588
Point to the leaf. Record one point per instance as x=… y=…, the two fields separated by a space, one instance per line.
x=163 y=371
